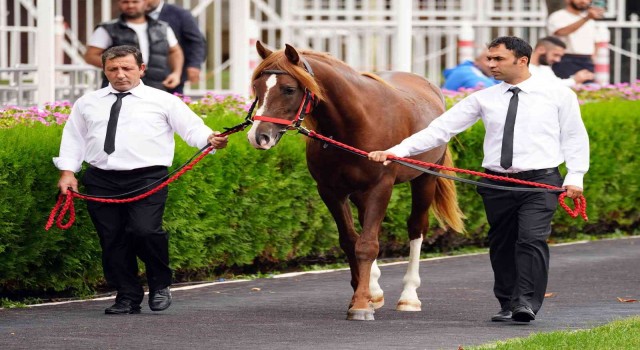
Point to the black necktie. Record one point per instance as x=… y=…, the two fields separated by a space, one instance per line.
x=506 y=156
x=110 y=139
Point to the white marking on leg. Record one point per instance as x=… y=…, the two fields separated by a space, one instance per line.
x=409 y=298
x=377 y=295
x=251 y=135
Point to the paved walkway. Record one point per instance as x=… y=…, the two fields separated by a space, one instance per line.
x=308 y=311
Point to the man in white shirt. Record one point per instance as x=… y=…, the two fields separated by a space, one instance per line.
x=125 y=132
x=161 y=52
x=542 y=129
x=549 y=51
x=576 y=27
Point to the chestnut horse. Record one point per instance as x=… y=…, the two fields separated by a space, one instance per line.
x=369 y=112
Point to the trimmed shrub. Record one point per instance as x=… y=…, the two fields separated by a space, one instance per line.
x=241 y=207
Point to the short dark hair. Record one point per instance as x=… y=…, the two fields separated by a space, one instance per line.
x=518 y=46
x=551 y=40
x=122 y=51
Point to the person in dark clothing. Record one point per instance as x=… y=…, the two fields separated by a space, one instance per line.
x=189 y=37
x=155 y=39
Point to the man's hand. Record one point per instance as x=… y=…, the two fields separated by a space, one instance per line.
x=172 y=80
x=218 y=142
x=583 y=75
x=381 y=157
x=595 y=12
x=67 y=180
x=193 y=74
x=573 y=191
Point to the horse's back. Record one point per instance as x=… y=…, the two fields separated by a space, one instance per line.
x=419 y=93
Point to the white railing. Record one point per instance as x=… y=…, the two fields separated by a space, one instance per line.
x=72 y=81
x=362 y=33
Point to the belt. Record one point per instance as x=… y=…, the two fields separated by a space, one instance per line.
x=524 y=174
x=132 y=171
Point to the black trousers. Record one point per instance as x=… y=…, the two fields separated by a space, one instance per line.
x=520 y=223
x=131 y=230
x=570 y=64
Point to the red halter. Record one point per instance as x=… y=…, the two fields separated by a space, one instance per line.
x=306 y=105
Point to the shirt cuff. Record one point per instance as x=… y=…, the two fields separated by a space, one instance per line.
x=67 y=164
x=574 y=179
x=399 y=151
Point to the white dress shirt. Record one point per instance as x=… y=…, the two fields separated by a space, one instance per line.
x=546 y=73
x=548 y=130
x=145 y=134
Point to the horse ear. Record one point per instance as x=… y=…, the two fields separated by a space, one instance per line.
x=262 y=51
x=292 y=54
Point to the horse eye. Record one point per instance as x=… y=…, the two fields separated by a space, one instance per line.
x=288 y=90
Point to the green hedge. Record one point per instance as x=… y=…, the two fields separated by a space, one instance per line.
x=243 y=206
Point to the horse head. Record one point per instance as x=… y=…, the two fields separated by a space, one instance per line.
x=285 y=92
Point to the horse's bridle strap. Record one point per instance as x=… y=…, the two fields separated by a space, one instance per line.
x=272 y=120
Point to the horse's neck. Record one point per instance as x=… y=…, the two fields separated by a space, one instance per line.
x=340 y=112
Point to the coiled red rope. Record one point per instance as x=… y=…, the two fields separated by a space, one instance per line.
x=65 y=202
x=65 y=205
x=580 y=203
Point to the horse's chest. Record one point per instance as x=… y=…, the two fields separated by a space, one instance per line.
x=345 y=171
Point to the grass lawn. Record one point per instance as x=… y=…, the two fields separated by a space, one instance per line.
x=619 y=335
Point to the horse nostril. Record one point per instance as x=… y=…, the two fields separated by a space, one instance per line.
x=263 y=139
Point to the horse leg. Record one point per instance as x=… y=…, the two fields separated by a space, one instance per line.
x=375 y=202
x=377 y=294
x=422 y=194
x=341 y=211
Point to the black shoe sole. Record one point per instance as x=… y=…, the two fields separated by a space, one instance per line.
x=160 y=308
x=500 y=319
x=130 y=312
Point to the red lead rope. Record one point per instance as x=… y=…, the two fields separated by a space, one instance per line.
x=66 y=202
x=580 y=203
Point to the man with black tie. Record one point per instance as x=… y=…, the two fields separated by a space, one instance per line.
x=531 y=128
x=189 y=37
x=125 y=132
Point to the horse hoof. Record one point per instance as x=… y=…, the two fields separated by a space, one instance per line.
x=409 y=305
x=377 y=302
x=360 y=315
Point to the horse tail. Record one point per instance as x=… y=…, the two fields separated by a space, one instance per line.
x=445 y=204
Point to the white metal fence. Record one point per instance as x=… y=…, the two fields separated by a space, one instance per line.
x=367 y=34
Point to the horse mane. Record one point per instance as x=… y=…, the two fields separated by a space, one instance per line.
x=377 y=78
x=278 y=60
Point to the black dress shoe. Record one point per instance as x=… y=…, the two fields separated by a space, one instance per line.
x=503 y=316
x=160 y=299
x=123 y=307
x=523 y=313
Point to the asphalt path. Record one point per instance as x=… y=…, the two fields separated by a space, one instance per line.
x=308 y=311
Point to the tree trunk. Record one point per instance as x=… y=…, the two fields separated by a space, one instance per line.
x=554 y=5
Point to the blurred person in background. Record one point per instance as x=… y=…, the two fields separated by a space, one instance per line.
x=189 y=37
x=575 y=26
x=469 y=74
x=161 y=53
x=549 y=51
